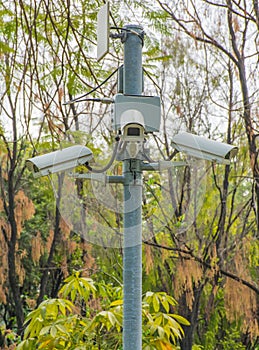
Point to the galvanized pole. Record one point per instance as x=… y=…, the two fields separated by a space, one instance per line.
x=132 y=252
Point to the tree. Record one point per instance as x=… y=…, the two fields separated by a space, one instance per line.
x=237 y=21
x=29 y=66
x=16 y=206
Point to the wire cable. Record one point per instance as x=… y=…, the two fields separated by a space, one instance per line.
x=105 y=100
x=78 y=99
x=107 y=166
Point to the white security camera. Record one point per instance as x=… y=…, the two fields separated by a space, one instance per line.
x=59 y=161
x=133 y=132
x=200 y=147
x=133 y=108
x=132 y=126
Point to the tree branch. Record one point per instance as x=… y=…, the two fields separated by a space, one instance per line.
x=190 y=255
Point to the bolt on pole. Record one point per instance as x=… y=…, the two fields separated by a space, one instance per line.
x=132 y=246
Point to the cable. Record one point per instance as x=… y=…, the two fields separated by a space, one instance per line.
x=78 y=99
x=150 y=77
x=105 y=100
x=107 y=166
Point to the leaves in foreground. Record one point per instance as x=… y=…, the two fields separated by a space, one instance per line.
x=89 y=316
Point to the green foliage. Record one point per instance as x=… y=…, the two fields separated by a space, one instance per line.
x=218 y=331
x=75 y=285
x=161 y=326
x=231 y=340
x=78 y=320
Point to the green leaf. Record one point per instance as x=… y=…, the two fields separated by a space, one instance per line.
x=181 y=319
x=27 y=344
x=156 y=304
x=53 y=331
x=159 y=319
x=44 y=330
x=61 y=328
x=161 y=332
x=112 y=318
x=149 y=294
x=118 y=302
x=165 y=304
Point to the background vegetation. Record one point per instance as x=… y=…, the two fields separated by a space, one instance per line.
x=201 y=58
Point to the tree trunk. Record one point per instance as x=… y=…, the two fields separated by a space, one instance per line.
x=13 y=278
x=45 y=274
x=191 y=315
x=250 y=131
x=14 y=285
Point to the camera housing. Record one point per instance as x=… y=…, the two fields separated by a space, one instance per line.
x=148 y=107
x=58 y=161
x=200 y=147
x=133 y=132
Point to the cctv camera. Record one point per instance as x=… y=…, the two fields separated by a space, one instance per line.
x=203 y=148
x=144 y=110
x=58 y=161
x=133 y=132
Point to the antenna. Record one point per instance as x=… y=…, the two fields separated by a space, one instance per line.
x=103 y=31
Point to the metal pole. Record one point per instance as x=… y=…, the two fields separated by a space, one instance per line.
x=132 y=258
x=132 y=252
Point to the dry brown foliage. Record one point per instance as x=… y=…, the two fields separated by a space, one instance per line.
x=188 y=275
x=240 y=301
x=24 y=210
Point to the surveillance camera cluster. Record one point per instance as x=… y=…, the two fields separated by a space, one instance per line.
x=71 y=157
x=133 y=117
